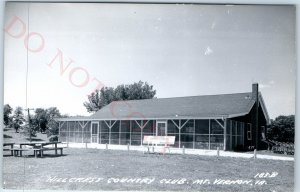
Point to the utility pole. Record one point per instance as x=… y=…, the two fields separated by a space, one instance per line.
x=28 y=109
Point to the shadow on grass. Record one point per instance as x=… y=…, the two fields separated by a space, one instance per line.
x=47 y=156
x=7 y=129
x=7 y=155
x=6 y=136
x=38 y=157
x=34 y=139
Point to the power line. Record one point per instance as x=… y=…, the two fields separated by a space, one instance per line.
x=27 y=58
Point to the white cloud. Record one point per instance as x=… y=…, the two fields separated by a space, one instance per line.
x=208 y=51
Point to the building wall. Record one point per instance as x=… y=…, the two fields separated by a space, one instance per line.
x=249 y=119
x=198 y=134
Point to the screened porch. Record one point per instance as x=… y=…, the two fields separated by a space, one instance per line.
x=190 y=133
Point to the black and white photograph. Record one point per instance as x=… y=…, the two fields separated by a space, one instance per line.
x=115 y=96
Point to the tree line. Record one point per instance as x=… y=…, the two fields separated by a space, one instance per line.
x=282 y=129
x=43 y=120
x=104 y=96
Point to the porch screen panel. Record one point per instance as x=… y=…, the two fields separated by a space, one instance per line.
x=241 y=134
x=125 y=133
x=228 y=135
x=238 y=135
x=78 y=133
x=72 y=130
x=104 y=129
x=87 y=132
x=63 y=132
x=173 y=131
x=115 y=133
x=236 y=128
x=149 y=129
x=202 y=134
x=216 y=134
x=187 y=134
x=135 y=134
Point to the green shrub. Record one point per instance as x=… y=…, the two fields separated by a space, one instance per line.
x=53 y=138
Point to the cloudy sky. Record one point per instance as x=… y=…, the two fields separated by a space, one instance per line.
x=182 y=50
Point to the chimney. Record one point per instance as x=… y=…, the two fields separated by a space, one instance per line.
x=255 y=120
x=255 y=91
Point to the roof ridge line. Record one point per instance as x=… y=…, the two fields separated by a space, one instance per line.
x=182 y=97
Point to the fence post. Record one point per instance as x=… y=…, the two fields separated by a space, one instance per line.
x=127 y=146
x=254 y=154
x=183 y=150
x=218 y=151
x=152 y=149
x=106 y=146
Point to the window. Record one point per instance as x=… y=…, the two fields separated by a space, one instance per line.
x=249 y=131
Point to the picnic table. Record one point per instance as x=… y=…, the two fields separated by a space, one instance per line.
x=37 y=147
x=11 y=147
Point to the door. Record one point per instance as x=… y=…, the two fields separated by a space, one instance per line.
x=94 y=132
x=161 y=128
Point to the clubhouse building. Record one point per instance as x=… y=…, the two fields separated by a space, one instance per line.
x=229 y=121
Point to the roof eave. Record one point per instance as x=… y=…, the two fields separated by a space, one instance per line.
x=263 y=106
x=151 y=118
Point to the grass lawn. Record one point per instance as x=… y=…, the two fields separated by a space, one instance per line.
x=106 y=168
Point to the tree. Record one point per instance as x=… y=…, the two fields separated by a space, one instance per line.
x=18 y=118
x=282 y=129
x=53 y=112
x=104 y=96
x=140 y=90
x=42 y=117
x=53 y=127
x=7 y=119
x=52 y=130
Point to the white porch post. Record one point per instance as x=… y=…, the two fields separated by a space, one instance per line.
x=209 y=143
x=194 y=134
x=243 y=134
x=81 y=132
x=109 y=136
x=141 y=127
x=209 y=134
x=120 y=132
x=179 y=133
x=68 y=128
x=130 y=125
x=100 y=132
x=59 y=131
x=225 y=134
x=230 y=135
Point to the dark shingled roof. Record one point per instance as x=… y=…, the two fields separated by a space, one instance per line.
x=207 y=106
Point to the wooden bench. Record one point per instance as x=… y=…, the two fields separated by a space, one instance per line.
x=17 y=152
x=158 y=142
x=38 y=148
x=10 y=149
x=51 y=149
